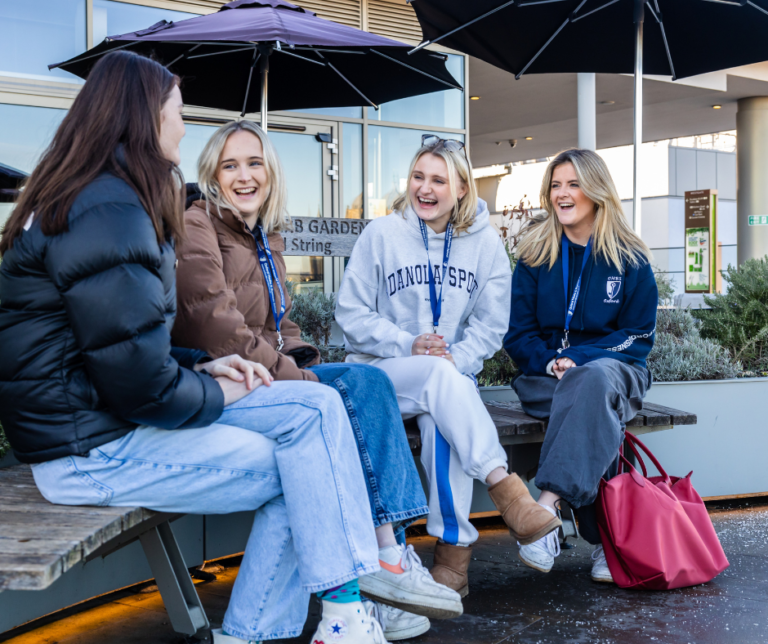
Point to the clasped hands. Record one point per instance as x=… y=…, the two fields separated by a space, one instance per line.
x=236 y=376
x=561 y=366
x=431 y=344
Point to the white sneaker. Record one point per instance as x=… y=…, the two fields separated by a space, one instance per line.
x=409 y=587
x=600 y=570
x=397 y=624
x=347 y=624
x=220 y=638
x=541 y=554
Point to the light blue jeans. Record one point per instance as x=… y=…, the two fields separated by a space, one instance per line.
x=287 y=451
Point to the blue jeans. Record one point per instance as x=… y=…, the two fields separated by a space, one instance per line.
x=286 y=451
x=394 y=487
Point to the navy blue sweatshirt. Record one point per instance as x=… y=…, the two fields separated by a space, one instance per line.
x=615 y=316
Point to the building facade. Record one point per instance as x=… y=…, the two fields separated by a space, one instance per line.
x=348 y=162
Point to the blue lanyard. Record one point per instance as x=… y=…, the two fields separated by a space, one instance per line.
x=571 y=307
x=269 y=269
x=437 y=301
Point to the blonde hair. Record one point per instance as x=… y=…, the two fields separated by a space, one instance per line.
x=612 y=237
x=465 y=209
x=273 y=215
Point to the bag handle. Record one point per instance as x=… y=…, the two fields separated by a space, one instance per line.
x=634 y=440
x=623 y=459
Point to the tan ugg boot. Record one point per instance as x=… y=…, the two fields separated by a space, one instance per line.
x=527 y=520
x=451 y=565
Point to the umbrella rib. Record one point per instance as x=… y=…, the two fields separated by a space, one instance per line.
x=133 y=42
x=309 y=60
x=657 y=14
x=589 y=13
x=178 y=58
x=758 y=7
x=471 y=22
x=226 y=51
x=256 y=56
x=546 y=44
x=332 y=51
x=415 y=69
x=346 y=80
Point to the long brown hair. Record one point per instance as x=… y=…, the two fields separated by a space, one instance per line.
x=113 y=126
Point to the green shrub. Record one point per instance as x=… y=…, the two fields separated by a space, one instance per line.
x=498 y=370
x=4 y=446
x=738 y=319
x=680 y=353
x=313 y=311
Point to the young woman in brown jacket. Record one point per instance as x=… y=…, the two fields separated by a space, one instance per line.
x=232 y=300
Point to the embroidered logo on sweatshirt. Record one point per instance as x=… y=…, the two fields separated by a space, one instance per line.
x=612 y=287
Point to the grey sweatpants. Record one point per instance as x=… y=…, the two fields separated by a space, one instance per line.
x=587 y=410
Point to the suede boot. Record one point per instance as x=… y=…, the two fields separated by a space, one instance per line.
x=527 y=520
x=451 y=565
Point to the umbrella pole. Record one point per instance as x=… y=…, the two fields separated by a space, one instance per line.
x=638 y=134
x=265 y=53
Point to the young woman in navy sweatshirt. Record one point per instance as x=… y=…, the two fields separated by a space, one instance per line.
x=582 y=323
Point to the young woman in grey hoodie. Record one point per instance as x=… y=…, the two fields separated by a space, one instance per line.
x=425 y=297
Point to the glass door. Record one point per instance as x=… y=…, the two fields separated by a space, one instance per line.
x=307 y=153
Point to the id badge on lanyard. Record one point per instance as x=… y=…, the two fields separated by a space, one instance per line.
x=436 y=299
x=270 y=272
x=571 y=306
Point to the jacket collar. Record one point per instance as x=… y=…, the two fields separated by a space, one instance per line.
x=235 y=222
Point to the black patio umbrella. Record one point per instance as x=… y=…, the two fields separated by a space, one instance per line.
x=677 y=38
x=311 y=62
x=10 y=181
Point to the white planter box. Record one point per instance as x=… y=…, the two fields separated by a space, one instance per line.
x=726 y=449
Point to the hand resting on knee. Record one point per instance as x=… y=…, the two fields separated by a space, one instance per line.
x=236 y=376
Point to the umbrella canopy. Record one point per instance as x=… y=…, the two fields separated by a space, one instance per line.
x=311 y=62
x=681 y=37
x=675 y=38
x=10 y=180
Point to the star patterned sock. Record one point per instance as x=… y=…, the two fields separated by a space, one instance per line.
x=344 y=594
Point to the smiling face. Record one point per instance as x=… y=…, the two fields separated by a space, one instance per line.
x=430 y=191
x=242 y=174
x=172 y=126
x=575 y=211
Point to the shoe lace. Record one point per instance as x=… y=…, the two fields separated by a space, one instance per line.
x=598 y=555
x=374 y=627
x=411 y=560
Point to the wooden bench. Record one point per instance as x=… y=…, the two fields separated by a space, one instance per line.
x=516 y=427
x=40 y=541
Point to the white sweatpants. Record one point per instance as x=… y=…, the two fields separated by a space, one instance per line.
x=459 y=439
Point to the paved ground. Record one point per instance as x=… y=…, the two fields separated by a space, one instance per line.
x=508 y=602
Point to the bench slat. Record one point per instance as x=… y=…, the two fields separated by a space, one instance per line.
x=678 y=417
x=29 y=572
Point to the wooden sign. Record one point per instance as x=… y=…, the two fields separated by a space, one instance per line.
x=323 y=236
x=701 y=261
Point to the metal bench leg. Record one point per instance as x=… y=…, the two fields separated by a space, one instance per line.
x=176 y=588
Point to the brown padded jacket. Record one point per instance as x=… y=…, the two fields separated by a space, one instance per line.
x=223 y=301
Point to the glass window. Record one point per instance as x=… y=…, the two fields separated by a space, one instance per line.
x=438 y=109
x=390 y=152
x=115 y=18
x=25 y=132
x=343 y=112
x=352 y=161
x=37 y=33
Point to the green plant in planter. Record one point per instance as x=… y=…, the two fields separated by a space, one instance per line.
x=313 y=311
x=497 y=371
x=680 y=353
x=738 y=319
x=4 y=446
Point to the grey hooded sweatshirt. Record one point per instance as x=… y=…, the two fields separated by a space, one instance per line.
x=383 y=303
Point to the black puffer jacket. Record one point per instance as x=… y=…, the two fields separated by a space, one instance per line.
x=85 y=322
